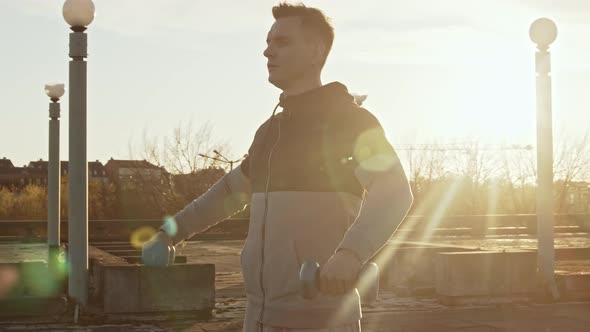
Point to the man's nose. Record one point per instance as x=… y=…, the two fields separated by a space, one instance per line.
x=267 y=52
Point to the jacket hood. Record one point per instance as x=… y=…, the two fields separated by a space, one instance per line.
x=326 y=97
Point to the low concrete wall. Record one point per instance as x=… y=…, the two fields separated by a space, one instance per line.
x=136 y=288
x=117 y=287
x=28 y=288
x=574 y=286
x=410 y=269
x=485 y=277
x=29 y=279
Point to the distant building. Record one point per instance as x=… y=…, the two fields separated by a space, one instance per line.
x=5 y=163
x=36 y=173
x=127 y=172
x=96 y=170
x=140 y=186
x=18 y=177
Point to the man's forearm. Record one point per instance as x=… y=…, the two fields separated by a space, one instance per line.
x=226 y=197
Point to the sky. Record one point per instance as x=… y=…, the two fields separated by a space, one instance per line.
x=434 y=70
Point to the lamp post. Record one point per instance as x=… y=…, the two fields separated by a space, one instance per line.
x=543 y=32
x=78 y=14
x=54 y=91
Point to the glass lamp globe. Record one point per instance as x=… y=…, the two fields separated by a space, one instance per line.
x=78 y=13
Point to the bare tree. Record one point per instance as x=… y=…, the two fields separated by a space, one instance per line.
x=179 y=153
x=476 y=165
x=426 y=163
x=571 y=164
x=183 y=174
x=519 y=173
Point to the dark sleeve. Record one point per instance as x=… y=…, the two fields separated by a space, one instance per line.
x=371 y=150
x=388 y=194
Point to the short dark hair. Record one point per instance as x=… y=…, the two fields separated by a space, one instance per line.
x=312 y=19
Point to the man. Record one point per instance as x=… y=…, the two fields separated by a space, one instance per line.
x=308 y=171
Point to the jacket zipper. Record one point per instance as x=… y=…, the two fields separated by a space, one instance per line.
x=268 y=176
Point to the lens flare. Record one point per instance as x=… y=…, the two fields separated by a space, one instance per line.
x=141 y=236
x=170 y=226
x=371 y=151
x=36 y=279
x=62 y=268
x=8 y=280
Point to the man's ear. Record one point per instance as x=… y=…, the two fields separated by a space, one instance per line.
x=319 y=52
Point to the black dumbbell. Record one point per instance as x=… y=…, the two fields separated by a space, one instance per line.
x=367 y=282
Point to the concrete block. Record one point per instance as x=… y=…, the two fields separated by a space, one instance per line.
x=12 y=284
x=120 y=288
x=98 y=256
x=574 y=286
x=30 y=278
x=111 y=247
x=410 y=268
x=138 y=288
x=485 y=277
x=177 y=287
x=137 y=259
x=27 y=288
x=120 y=253
x=98 y=259
x=32 y=306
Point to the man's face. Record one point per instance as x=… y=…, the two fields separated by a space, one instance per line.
x=290 y=56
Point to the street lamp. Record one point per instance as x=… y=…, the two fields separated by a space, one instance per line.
x=78 y=14
x=209 y=157
x=54 y=91
x=543 y=32
x=223 y=160
x=231 y=162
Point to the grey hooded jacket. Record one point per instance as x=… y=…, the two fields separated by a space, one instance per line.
x=320 y=176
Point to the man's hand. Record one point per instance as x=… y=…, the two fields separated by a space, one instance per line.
x=158 y=251
x=340 y=273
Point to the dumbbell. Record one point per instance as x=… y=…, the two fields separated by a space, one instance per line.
x=158 y=251
x=367 y=282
